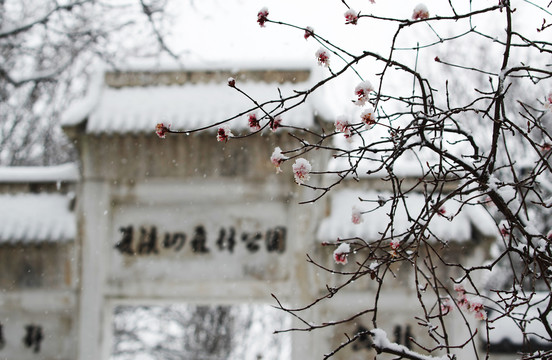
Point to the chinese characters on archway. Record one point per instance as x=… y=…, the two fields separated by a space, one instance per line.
x=32 y=339
x=147 y=240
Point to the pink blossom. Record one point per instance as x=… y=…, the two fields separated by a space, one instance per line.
x=549 y=235
x=481 y=315
x=254 y=124
x=442 y=211
x=301 y=170
x=460 y=289
x=395 y=243
x=420 y=12
x=340 y=254
x=277 y=159
x=373 y=1
x=368 y=117
x=504 y=228
x=262 y=16
x=351 y=17
x=549 y=101
x=323 y=57
x=362 y=91
x=161 y=130
x=446 y=305
x=276 y=123
x=342 y=125
x=308 y=32
x=356 y=216
x=223 y=133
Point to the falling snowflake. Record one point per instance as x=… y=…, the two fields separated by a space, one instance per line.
x=301 y=170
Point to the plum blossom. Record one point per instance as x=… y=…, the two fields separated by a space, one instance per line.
x=223 y=133
x=395 y=243
x=356 y=216
x=351 y=17
x=504 y=228
x=446 y=305
x=549 y=101
x=262 y=16
x=368 y=117
x=420 y=12
x=301 y=170
x=475 y=305
x=254 y=124
x=277 y=159
x=231 y=82
x=276 y=123
x=342 y=125
x=340 y=254
x=308 y=32
x=323 y=57
x=361 y=91
x=161 y=130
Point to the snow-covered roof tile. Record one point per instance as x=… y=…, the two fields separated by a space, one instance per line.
x=339 y=225
x=39 y=174
x=185 y=107
x=36 y=218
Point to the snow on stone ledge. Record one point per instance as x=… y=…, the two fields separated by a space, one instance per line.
x=339 y=225
x=68 y=172
x=36 y=218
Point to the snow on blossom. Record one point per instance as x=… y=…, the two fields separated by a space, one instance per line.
x=301 y=170
x=308 y=32
x=340 y=254
x=276 y=123
x=342 y=125
x=356 y=216
x=446 y=305
x=395 y=243
x=223 y=133
x=420 y=12
x=161 y=130
x=231 y=82
x=368 y=117
x=323 y=57
x=277 y=159
x=351 y=17
x=262 y=16
x=254 y=124
x=549 y=101
x=362 y=91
